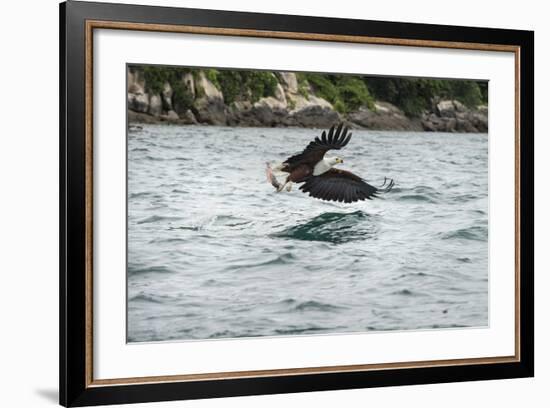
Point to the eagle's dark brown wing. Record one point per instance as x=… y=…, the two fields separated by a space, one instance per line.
x=343 y=186
x=337 y=138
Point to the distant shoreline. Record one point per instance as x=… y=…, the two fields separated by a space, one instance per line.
x=291 y=105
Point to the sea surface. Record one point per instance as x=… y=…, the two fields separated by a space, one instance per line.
x=215 y=252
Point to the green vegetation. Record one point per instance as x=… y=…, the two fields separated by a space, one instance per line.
x=414 y=96
x=303 y=84
x=467 y=92
x=156 y=76
x=484 y=90
x=347 y=93
x=260 y=83
x=354 y=93
x=236 y=85
x=212 y=76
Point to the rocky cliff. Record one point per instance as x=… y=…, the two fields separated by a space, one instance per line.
x=290 y=104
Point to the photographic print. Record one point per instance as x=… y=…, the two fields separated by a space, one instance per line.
x=266 y=203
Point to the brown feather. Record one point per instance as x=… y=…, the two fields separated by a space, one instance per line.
x=300 y=173
x=315 y=151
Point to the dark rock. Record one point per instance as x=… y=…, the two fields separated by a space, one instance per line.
x=314 y=116
x=170 y=116
x=139 y=117
x=166 y=94
x=269 y=111
x=311 y=112
x=209 y=107
x=265 y=112
x=446 y=109
x=155 y=105
x=187 y=118
x=275 y=111
x=453 y=116
x=138 y=102
x=385 y=117
x=189 y=83
x=138 y=99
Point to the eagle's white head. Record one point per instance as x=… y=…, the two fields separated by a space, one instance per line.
x=326 y=164
x=335 y=160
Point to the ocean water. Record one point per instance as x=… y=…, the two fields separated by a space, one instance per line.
x=215 y=252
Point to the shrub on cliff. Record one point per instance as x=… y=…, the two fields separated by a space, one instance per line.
x=243 y=84
x=467 y=92
x=346 y=93
x=261 y=84
x=415 y=95
x=354 y=93
x=156 y=76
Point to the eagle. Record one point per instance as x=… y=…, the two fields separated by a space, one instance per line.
x=319 y=176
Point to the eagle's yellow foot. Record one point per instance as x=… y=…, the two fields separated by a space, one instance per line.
x=289 y=186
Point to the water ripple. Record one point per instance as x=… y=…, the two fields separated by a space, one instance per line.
x=332 y=227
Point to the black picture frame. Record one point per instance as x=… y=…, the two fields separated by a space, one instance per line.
x=75 y=387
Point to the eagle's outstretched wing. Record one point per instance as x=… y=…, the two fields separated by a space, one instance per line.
x=343 y=186
x=337 y=138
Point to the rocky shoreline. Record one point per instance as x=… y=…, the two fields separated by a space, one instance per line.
x=291 y=105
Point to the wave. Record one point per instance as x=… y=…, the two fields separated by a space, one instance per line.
x=142 y=297
x=229 y=220
x=157 y=218
x=475 y=233
x=417 y=197
x=288 y=301
x=153 y=158
x=213 y=222
x=406 y=292
x=174 y=240
x=180 y=191
x=331 y=227
x=413 y=274
x=140 y=194
x=278 y=260
x=312 y=305
x=465 y=197
x=186 y=228
x=132 y=270
x=225 y=334
x=420 y=193
x=304 y=330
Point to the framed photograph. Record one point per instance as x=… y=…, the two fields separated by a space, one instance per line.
x=256 y=204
